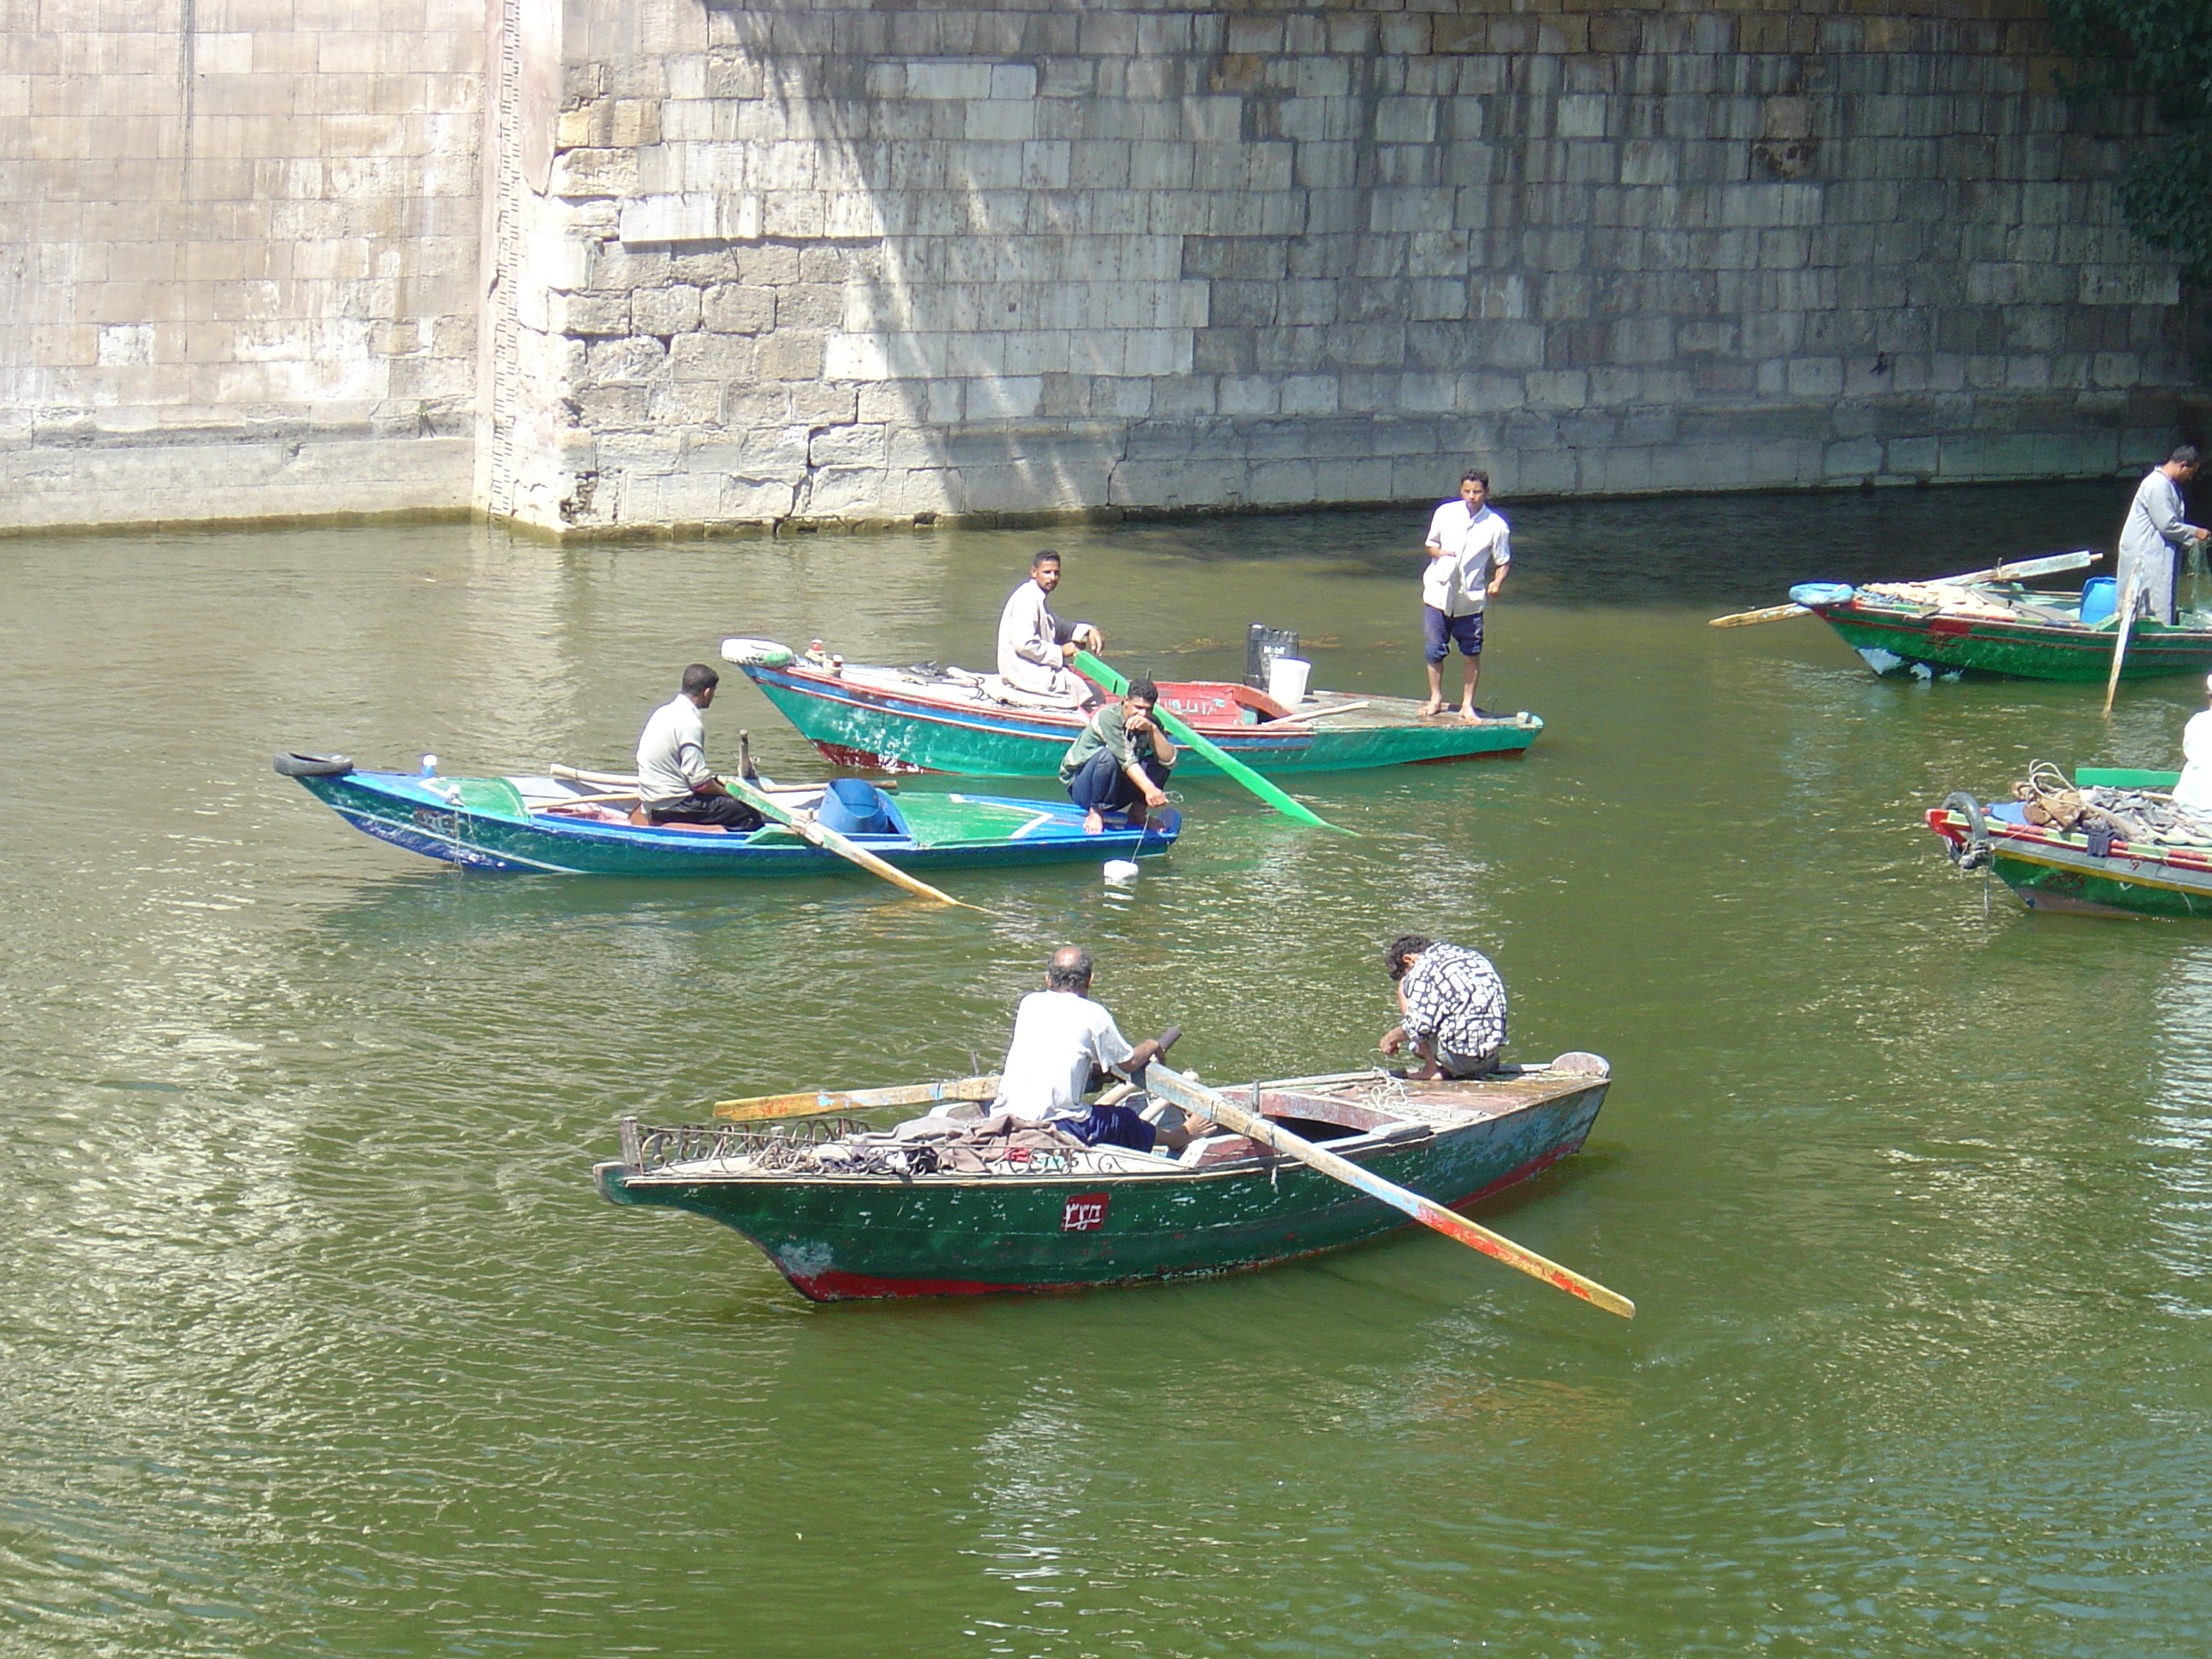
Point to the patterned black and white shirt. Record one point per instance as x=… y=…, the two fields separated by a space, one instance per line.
x=1455 y=1002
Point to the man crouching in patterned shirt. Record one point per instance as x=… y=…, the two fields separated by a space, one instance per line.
x=1453 y=1004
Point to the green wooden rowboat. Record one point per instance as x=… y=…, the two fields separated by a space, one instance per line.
x=904 y=720
x=1996 y=625
x=1111 y=1216
x=2052 y=869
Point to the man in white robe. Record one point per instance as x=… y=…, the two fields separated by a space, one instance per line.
x=2155 y=531
x=1034 y=647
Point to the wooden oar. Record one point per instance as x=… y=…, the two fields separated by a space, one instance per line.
x=1771 y=613
x=813 y=1103
x=1179 y=730
x=2048 y=565
x=827 y=839
x=2120 y=642
x=1194 y=1098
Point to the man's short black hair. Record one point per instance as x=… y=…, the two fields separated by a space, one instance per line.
x=1141 y=691
x=1041 y=556
x=2185 y=456
x=698 y=678
x=1476 y=475
x=1069 y=969
x=1395 y=952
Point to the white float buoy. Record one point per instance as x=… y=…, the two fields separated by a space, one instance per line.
x=1120 y=873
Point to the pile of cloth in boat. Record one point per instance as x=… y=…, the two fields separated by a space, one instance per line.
x=2140 y=817
x=998 y=1144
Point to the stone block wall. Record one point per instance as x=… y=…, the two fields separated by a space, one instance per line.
x=620 y=265
x=239 y=276
x=833 y=261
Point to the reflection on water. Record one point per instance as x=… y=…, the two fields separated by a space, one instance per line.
x=318 y=1340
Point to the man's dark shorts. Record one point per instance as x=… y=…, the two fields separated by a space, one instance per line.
x=721 y=812
x=1438 y=631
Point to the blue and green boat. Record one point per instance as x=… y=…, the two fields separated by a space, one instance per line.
x=572 y=826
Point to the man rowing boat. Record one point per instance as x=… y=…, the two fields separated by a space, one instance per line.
x=1062 y=1042
x=1034 y=647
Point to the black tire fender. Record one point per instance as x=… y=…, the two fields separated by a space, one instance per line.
x=290 y=765
x=1974 y=852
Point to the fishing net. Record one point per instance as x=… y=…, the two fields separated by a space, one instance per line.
x=2144 y=816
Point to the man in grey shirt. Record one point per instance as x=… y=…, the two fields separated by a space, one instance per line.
x=2155 y=533
x=673 y=783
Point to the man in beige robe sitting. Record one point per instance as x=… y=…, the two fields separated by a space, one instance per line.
x=1034 y=647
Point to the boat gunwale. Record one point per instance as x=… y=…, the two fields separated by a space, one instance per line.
x=1390 y=1135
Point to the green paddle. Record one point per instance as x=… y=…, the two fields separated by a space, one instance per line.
x=1180 y=731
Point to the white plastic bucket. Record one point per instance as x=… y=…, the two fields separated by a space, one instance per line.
x=1286 y=680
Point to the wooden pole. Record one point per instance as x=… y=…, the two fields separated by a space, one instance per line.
x=1179 y=729
x=1194 y=1097
x=2120 y=643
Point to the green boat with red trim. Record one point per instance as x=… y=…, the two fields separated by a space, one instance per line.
x=2054 y=869
x=916 y=719
x=1111 y=1216
x=2017 y=632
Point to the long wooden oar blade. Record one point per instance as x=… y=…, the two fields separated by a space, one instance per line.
x=1194 y=1098
x=1771 y=613
x=831 y=842
x=1179 y=729
x=2021 y=570
x=812 y=1103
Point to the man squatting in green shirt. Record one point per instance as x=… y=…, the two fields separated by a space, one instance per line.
x=1119 y=759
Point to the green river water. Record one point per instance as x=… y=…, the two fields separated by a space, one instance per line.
x=315 y=1339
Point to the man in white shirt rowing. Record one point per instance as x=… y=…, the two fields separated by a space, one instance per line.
x=2156 y=533
x=1469 y=548
x=674 y=785
x=1061 y=1040
x=1034 y=647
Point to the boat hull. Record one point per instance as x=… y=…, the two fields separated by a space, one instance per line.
x=852 y=1238
x=1892 y=641
x=410 y=812
x=871 y=724
x=2052 y=871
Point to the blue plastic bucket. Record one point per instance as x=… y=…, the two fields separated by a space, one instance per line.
x=852 y=808
x=2100 y=597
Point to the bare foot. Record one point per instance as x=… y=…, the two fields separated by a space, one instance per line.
x=1093 y=824
x=1433 y=706
x=1470 y=713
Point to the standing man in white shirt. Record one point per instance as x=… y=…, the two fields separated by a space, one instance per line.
x=1469 y=549
x=2155 y=533
x=674 y=785
x=1034 y=647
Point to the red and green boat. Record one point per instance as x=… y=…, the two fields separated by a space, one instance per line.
x=1989 y=622
x=1108 y=1216
x=2054 y=869
x=911 y=720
